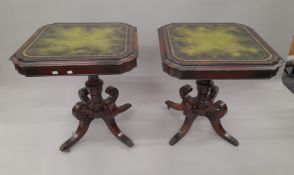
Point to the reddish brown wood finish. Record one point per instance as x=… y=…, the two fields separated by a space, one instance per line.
x=102 y=65
x=211 y=69
x=201 y=105
x=93 y=106
x=206 y=70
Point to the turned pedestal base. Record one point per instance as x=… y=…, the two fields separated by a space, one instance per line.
x=201 y=105
x=93 y=106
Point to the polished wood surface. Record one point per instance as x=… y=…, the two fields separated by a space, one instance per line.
x=88 y=49
x=247 y=56
x=93 y=106
x=201 y=105
x=78 y=49
x=207 y=51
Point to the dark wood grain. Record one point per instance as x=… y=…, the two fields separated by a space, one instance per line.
x=184 y=66
x=93 y=106
x=201 y=105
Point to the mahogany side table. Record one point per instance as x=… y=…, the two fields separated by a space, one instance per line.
x=90 y=49
x=206 y=51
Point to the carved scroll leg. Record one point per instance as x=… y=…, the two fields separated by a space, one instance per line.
x=183 y=130
x=217 y=126
x=123 y=108
x=185 y=90
x=214 y=118
x=80 y=132
x=111 y=124
x=83 y=94
x=176 y=106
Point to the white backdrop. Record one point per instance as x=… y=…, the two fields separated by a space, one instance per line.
x=35 y=113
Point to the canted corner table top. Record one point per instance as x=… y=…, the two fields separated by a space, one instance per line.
x=216 y=51
x=78 y=48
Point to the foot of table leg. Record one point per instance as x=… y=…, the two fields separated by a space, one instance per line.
x=183 y=130
x=93 y=106
x=80 y=132
x=111 y=124
x=218 y=128
x=176 y=106
x=218 y=111
x=203 y=104
x=123 y=108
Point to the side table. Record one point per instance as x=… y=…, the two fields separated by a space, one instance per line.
x=90 y=49
x=206 y=51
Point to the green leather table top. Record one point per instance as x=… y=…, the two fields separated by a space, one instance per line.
x=215 y=51
x=77 y=41
x=215 y=42
x=190 y=43
x=78 y=49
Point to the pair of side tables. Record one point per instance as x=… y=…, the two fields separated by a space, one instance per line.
x=201 y=51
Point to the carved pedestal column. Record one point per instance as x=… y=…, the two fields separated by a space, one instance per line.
x=93 y=106
x=201 y=105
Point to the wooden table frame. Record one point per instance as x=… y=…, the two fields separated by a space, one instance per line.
x=92 y=105
x=204 y=71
